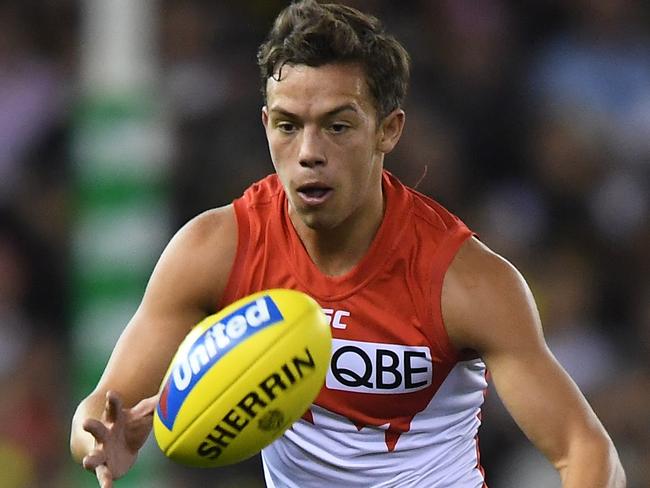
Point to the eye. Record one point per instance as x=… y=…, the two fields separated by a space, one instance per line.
x=338 y=128
x=286 y=127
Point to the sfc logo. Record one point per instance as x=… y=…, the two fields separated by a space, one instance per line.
x=211 y=346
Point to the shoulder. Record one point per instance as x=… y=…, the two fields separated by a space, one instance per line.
x=476 y=266
x=211 y=233
x=198 y=258
x=209 y=227
x=423 y=207
x=486 y=301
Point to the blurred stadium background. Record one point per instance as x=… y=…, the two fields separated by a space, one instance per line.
x=120 y=120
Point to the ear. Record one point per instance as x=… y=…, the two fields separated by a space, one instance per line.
x=265 y=117
x=390 y=130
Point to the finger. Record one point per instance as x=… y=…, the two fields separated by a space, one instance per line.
x=93 y=459
x=145 y=407
x=113 y=406
x=96 y=428
x=104 y=476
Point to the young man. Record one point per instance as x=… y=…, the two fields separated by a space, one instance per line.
x=416 y=297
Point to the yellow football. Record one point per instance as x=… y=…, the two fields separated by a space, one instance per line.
x=241 y=377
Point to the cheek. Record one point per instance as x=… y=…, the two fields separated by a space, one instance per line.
x=282 y=143
x=364 y=154
x=276 y=151
x=281 y=160
x=357 y=168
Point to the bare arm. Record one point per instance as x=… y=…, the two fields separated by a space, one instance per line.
x=489 y=308
x=184 y=287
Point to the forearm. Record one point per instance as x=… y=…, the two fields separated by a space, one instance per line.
x=594 y=463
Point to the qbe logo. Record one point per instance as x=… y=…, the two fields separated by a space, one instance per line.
x=370 y=367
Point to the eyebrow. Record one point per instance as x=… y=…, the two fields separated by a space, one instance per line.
x=330 y=113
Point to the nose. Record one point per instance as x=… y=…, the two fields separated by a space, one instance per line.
x=312 y=151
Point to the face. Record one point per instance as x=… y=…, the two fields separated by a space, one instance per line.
x=326 y=143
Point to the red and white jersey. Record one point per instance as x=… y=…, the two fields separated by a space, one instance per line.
x=400 y=406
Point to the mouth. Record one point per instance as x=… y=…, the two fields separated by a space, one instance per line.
x=314 y=194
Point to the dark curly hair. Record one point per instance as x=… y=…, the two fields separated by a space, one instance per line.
x=315 y=34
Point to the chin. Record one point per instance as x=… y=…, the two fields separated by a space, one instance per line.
x=316 y=224
x=316 y=221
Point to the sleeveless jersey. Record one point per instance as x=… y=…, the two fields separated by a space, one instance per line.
x=400 y=407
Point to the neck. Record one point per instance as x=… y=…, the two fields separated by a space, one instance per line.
x=336 y=251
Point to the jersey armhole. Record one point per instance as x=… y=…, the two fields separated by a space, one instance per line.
x=444 y=256
x=231 y=292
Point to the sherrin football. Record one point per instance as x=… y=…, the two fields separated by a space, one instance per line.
x=241 y=377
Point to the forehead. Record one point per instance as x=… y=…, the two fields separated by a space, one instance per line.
x=307 y=88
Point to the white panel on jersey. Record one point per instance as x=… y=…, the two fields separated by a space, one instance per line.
x=438 y=451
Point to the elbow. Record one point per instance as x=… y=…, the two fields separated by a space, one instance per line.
x=619 y=480
x=591 y=459
x=599 y=453
x=613 y=470
x=81 y=441
x=618 y=477
x=76 y=433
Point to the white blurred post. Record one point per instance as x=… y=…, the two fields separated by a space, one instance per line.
x=121 y=153
x=118 y=52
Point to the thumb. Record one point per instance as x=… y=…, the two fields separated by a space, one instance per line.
x=145 y=406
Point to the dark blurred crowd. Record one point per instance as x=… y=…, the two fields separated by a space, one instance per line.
x=529 y=119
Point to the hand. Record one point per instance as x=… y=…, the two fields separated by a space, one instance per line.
x=118 y=437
